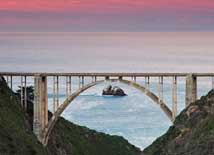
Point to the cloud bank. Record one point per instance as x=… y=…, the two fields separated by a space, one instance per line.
x=108 y=15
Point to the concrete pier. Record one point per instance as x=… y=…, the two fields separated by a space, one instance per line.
x=191 y=89
x=40 y=107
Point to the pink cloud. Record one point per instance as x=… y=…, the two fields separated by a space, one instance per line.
x=100 y=5
x=43 y=21
x=106 y=13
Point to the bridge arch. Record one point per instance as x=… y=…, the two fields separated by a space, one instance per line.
x=68 y=101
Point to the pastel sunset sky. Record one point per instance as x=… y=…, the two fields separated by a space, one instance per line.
x=106 y=15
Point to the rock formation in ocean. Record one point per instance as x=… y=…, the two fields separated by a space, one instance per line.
x=115 y=91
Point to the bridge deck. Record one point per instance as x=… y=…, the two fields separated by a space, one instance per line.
x=106 y=74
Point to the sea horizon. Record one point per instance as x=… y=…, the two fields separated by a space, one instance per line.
x=113 y=52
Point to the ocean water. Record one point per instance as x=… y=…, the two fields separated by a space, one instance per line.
x=135 y=116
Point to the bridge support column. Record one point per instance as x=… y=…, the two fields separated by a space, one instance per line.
x=22 y=98
x=135 y=79
x=174 y=98
x=107 y=78
x=81 y=82
x=212 y=82
x=23 y=91
x=94 y=79
x=160 y=89
x=40 y=107
x=191 y=89
x=10 y=81
x=55 y=93
x=7 y=80
x=68 y=85
x=147 y=78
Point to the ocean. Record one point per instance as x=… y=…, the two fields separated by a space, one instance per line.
x=135 y=117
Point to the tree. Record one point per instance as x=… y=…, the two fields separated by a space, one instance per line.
x=29 y=90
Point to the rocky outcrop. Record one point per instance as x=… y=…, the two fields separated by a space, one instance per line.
x=115 y=91
x=192 y=132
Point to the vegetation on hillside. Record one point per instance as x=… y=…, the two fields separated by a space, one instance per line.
x=192 y=132
x=16 y=136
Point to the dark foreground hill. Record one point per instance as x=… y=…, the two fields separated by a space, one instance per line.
x=192 y=132
x=16 y=136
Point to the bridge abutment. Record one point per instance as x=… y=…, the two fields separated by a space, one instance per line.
x=191 y=89
x=40 y=107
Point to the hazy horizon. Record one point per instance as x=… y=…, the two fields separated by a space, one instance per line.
x=107 y=52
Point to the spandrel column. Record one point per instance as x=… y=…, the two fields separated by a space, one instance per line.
x=174 y=98
x=160 y=89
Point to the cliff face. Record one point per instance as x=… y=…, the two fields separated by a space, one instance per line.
x=16 y=136
x=192 y=132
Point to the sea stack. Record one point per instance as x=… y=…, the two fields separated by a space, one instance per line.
x=115 y=91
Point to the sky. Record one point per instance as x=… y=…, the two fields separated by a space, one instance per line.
x=106 y=15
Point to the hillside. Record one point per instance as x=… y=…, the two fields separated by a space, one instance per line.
x=192 y=132
x=68 y=138
x=16 y=136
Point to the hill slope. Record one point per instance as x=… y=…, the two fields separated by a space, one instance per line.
x=16 y=136
x=192 y=132
x=68 y=138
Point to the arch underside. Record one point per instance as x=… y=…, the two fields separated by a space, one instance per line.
x=68 y=101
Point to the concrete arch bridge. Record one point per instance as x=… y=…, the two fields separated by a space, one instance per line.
x=42 y=127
